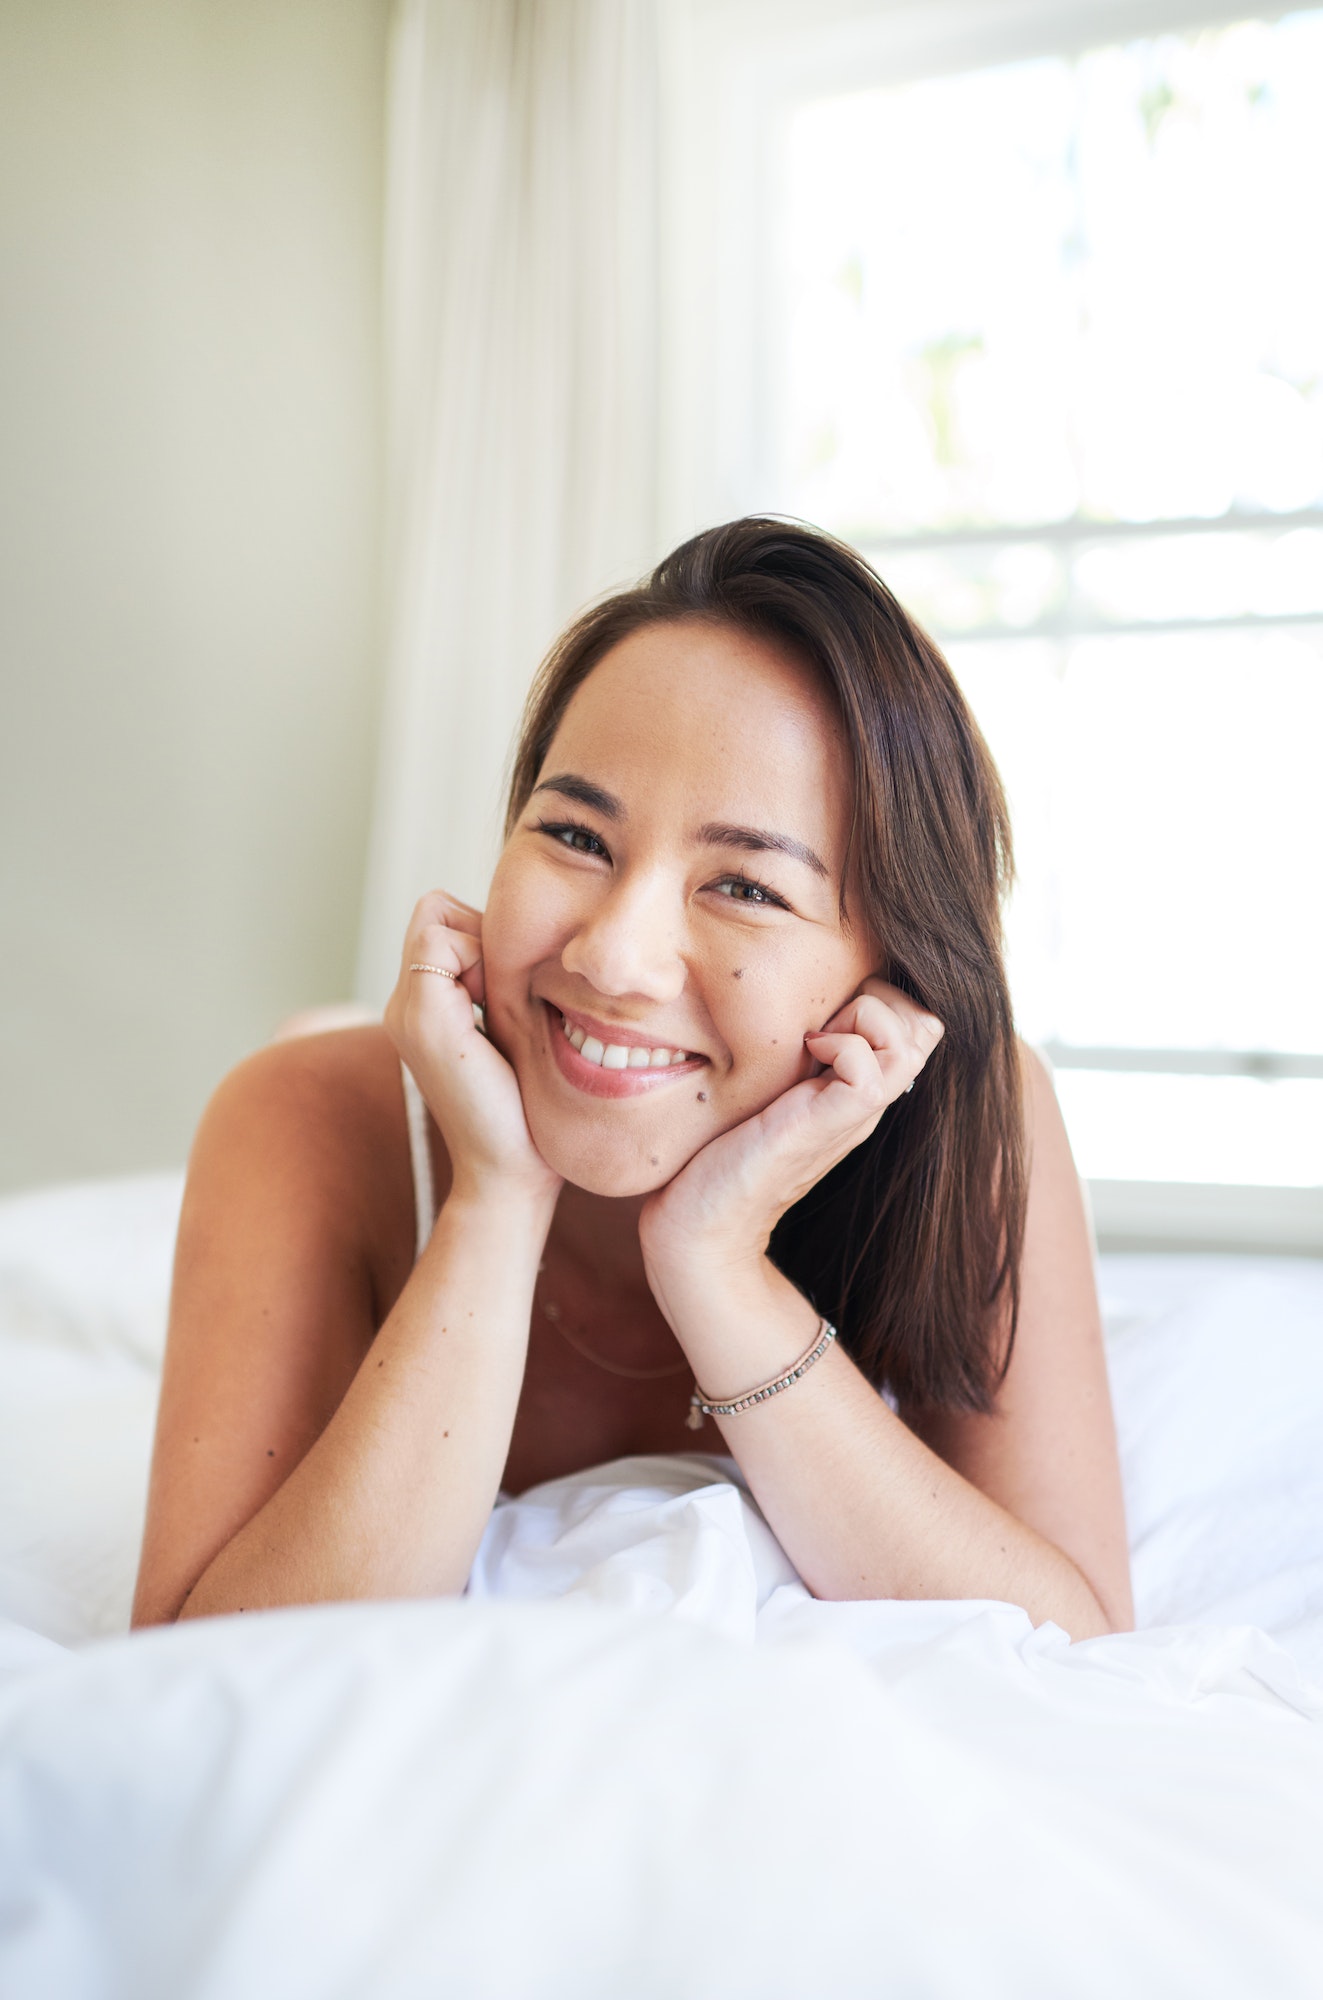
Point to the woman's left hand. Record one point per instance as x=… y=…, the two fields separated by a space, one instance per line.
x=718 y=1213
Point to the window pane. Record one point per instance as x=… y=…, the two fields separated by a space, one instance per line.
x=1231 y=1129
x=1169 y=825
x=1062 y=299
x=1061 y=287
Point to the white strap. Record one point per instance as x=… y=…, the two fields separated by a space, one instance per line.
x=420 y=1156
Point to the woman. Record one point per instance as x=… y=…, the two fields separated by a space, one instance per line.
x=745 y=1075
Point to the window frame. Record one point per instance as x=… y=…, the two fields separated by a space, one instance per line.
x=738 y=71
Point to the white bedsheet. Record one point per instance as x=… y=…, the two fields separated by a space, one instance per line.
x=639 y=1759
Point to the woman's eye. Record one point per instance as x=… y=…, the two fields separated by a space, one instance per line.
x=743 y=889
x=579 y=839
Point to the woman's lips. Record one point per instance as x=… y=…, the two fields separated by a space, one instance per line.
x=595 y=1081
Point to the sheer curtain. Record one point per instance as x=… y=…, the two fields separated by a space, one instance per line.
x=521 y=299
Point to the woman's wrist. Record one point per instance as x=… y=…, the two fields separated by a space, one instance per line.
x=678 y=1253
x=521 y=1213
x=701 y=1271
x=738 y=1324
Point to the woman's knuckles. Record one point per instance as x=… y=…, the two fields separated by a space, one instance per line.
x=879 y=1001
x=441 y=938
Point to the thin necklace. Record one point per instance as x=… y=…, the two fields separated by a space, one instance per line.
x=553 y=1313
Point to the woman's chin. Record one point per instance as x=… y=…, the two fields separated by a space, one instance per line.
x=586 y=1162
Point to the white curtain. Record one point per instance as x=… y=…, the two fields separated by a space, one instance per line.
x=522 y=396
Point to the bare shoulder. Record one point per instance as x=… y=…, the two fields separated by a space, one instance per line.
x=349 y=1075
x=307 y=1137
x=1059 y=1246
x=315 y=1118
x=1040 y=1091
x=1047 y=1452
x=295 y=1237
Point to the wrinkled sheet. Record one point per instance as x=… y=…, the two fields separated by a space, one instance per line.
x=638 y=1758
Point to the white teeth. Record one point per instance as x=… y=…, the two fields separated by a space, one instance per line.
x=614 y=1055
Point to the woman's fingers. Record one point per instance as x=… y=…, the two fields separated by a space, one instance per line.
x=437 y=944
x=467 y=1084
x=881 y=1013
x=440 y=907
x=900 y=1032
x=873 y=1077
x=877 y=1046
x=447 y=933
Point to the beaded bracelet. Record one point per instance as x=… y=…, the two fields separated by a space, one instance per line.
x=699 y=1407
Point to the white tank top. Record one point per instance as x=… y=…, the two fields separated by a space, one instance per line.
x=420 y=1155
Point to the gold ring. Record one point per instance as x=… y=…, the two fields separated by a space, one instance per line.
x=421 y=966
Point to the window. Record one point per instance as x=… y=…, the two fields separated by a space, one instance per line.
x=1047 y=345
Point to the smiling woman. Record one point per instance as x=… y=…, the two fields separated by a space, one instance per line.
x=744 y=1076
x=629 y=919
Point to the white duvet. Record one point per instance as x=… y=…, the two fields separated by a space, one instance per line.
x=638 y=1759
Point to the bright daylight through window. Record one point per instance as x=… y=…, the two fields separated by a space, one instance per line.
x=1053 y=358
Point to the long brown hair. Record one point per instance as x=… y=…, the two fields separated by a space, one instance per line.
x=911 y=1245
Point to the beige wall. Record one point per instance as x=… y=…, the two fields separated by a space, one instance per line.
x=190 y=202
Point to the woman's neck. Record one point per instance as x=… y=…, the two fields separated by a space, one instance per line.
x=600 y=1236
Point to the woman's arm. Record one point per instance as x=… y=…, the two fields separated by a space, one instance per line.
x=297 y=1457
x=1023 y=1505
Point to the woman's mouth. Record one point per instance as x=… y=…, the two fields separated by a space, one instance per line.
x=602 y=1068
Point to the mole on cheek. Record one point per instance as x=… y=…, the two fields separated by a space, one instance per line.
x=702 y=1097
x=653 y=1160
x=738 y=973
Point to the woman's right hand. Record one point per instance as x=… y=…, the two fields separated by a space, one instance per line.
x=469 y=1087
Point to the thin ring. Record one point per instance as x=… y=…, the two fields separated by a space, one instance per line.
x=422 y=966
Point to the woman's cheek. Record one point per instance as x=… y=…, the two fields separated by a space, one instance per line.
x=767 y=1029
x=509 y=955
x=772 y=999
x=522 y=923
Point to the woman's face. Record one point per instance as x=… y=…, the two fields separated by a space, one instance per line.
x=672 y=887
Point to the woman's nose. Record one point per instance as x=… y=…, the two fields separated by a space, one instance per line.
x=630 y=942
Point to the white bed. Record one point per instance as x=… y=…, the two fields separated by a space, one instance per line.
x=638 y=1759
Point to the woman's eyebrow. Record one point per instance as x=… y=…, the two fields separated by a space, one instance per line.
x=587 y=794
x=716 y=833
x=752 y=840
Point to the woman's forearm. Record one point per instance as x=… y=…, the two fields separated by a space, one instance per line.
x=393 y=1498
x=862 y=1507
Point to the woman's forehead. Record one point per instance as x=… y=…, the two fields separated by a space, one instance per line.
x=692 y=699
